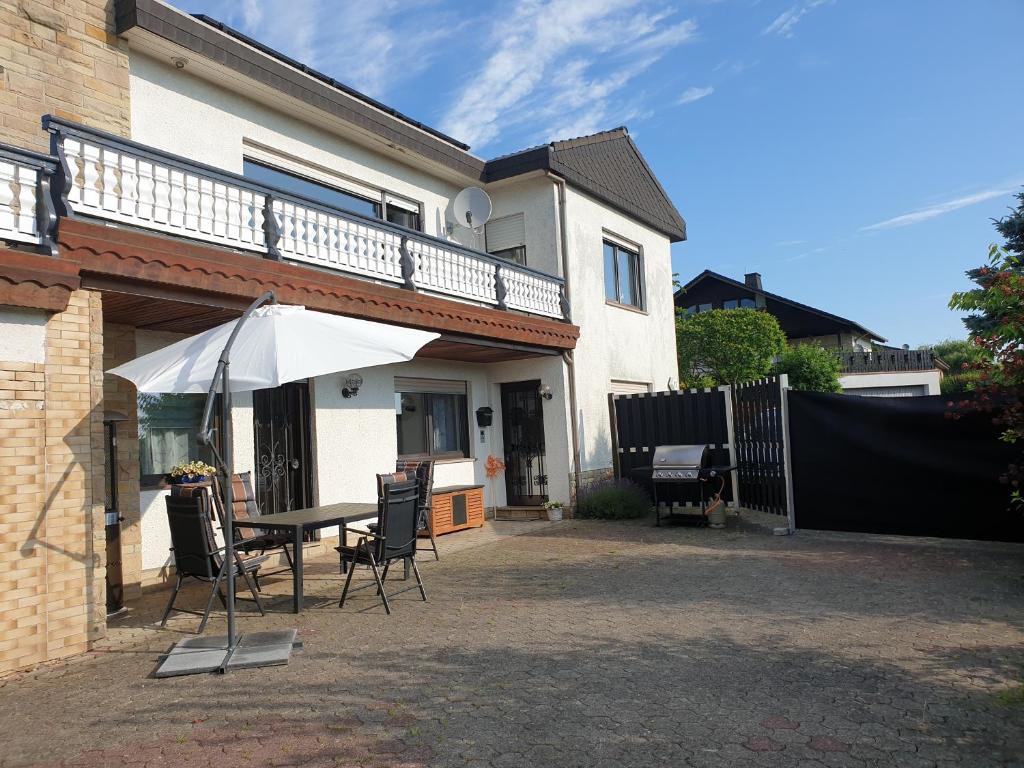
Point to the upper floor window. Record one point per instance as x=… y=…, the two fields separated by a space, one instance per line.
x=693 y=309
x=506 y=237
x=623 y=277
x=403 y=213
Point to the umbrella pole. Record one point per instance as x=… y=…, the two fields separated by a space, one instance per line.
x=227 y=446
x=226 y=459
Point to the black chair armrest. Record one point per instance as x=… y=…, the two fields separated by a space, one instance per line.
x=361 y=532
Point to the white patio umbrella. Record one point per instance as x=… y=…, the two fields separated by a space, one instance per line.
x=269 y=345
x=278 y=343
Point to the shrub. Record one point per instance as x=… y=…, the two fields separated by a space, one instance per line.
x=727 y=346
x=811 y=368
x=613 y=500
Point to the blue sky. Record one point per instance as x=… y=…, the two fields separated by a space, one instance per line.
x=852 y=151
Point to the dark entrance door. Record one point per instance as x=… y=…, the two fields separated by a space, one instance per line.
x=115 y=575
x=522 y=418
x=281 y=423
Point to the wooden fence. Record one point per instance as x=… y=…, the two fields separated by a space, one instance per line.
x=641 y=422
x=760 y=424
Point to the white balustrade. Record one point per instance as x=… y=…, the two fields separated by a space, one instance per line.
x=18 y=202
x=529 y=292
x=117 y=185
x=317 y=237
x=120 y=183
x=452 y=272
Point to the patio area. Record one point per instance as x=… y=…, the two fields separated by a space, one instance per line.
x=581 y=643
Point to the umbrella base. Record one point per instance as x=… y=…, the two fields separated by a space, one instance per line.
x=199 y=655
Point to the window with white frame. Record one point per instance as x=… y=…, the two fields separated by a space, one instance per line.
x=432 y=418
x=623 y=275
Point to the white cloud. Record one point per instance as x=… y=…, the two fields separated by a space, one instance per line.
x=788 y=19
x=368 y=46
x=252 y=13
x=940 y=209
x=692 y=94
x=564 y=65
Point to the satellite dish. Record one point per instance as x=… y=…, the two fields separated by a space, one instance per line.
x=472 y=208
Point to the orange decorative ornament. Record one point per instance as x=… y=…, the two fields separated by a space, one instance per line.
x=494 y=466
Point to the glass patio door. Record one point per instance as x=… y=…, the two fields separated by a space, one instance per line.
x=283 y=454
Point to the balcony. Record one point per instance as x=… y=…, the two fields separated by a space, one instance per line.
x=889 y=360
x=27 y=214
x=113 y=179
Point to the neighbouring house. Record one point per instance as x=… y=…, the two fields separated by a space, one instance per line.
x=869 y=367
x=159 y=170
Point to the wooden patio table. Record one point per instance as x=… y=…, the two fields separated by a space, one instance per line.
x=300 y=521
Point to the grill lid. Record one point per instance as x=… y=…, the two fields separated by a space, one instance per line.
x=678 y=463
x=675 y=456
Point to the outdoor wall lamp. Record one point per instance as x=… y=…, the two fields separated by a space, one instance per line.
x=673 y=385
x=545 y=391
x=352 y=384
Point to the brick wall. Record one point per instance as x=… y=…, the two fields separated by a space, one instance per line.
x=59 y=57
x=52 y=599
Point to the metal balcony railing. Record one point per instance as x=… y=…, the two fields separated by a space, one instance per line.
x=27 y=213
x=107 y=177
x=887 y=360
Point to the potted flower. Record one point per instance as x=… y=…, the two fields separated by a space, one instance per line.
x=194 y=471
x=554 y=509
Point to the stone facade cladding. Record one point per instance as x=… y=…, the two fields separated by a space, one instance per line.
x=60 y=57
x=52 y=565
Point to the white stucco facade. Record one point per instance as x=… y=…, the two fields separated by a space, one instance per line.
x=22 y=335
x=616 y=343
x=353 y=439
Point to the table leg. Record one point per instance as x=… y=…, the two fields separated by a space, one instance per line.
x=297 y=576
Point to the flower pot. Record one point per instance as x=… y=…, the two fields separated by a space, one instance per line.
x=554 y=515
x=186 y=479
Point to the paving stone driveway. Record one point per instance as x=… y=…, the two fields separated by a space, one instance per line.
x=588 y=644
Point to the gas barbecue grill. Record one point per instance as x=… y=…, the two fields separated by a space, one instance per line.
x=686 y=464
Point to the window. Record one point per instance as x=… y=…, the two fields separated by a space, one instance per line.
x=400 y=212
x=747 y=303
x=623 y=282
x=516 y=255
x=431 y=418
x=168 y=433
x=403 y=217
x=506 y=237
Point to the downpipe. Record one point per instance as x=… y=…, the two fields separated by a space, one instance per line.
x=567 y=357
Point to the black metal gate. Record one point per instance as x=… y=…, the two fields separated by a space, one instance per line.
x=281 y=421
x=522 y=416
x=759 y=424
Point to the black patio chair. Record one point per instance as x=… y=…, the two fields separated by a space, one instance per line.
x=424 y=471
x=244 y=506
x=395 y=539
x=197 y=556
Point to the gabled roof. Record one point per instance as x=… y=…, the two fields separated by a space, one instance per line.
x=607 y=166
x=708 y=274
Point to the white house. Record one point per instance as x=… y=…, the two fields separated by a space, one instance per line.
x=245 y=171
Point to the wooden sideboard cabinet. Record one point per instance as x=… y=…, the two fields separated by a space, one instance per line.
x=456 y=507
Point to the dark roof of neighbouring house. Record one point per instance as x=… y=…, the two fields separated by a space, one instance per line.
x=708 y=274
x=606 y=165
